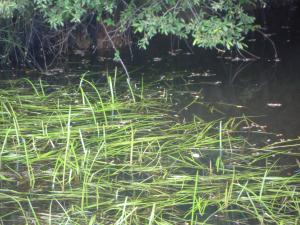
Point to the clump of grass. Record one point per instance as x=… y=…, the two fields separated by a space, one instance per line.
x=91 y=154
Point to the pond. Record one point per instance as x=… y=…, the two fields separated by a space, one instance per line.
x=194 y=137
x=267 y=88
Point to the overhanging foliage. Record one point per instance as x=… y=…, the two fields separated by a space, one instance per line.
x=210 y=23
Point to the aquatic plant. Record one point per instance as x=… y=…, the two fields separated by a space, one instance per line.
x=94 y=154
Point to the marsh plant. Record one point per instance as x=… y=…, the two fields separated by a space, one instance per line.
x=93 y=154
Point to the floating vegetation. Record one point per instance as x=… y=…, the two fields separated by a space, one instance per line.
x=204 y=74
x=274 y=105
x=157 y=59
x=93 y=154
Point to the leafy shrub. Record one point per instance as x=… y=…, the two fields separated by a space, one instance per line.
x=210 y=23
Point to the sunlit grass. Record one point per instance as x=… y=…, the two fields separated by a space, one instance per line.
x=91 y=154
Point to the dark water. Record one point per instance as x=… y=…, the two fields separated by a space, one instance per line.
x=267 y=88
